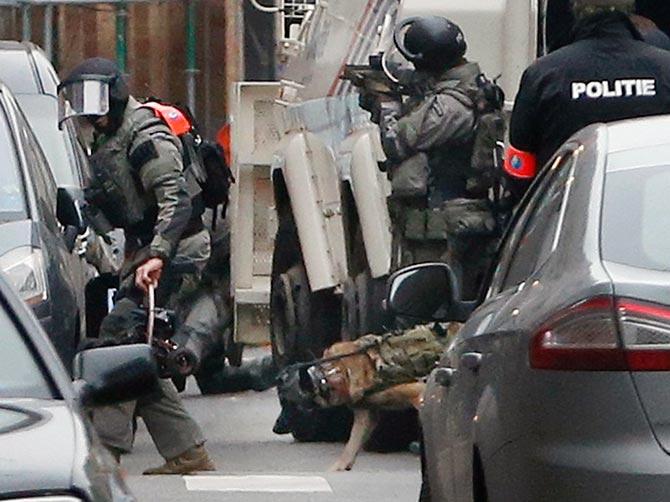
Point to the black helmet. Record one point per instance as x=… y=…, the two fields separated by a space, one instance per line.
x=430 y=42
x=95 y=87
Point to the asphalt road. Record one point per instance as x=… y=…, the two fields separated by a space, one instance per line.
x=256 y=465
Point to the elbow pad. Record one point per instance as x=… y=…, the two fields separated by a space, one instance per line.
x=520 y=164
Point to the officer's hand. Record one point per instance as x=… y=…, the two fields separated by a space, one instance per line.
x=149 y=273
x=367 y=101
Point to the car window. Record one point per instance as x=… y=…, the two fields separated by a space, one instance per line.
x=20 y=374
x=83 y=166
x=39 y=173
x=18 y=73
x=540 y=223
x=636 y=217
x=42 y=114
x=48 y=76
x=12 y=193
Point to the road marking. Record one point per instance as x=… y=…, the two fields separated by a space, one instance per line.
x=276 y=484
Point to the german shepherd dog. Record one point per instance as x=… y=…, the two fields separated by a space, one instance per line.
x=355 y=375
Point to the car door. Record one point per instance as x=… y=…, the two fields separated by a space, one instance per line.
x=64 y=268
x=482 y=348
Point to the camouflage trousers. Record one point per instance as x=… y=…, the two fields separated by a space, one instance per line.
x=171 y=427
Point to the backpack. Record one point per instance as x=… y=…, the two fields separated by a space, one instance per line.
x=219 y=176
x=487 y=100
x=203 y=161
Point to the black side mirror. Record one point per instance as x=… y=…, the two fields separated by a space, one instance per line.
x=69 y=214
x=427 y=292
x=111 y=375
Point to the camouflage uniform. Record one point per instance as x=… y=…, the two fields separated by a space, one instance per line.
x=451 y=222
x=140 y=186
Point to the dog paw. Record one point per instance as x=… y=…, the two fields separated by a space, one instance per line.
x=340 y=466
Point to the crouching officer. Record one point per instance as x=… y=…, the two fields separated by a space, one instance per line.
x=441 y=146
x=139 y=185
x=607 y=73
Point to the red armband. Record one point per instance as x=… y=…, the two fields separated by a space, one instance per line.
x=520 y=164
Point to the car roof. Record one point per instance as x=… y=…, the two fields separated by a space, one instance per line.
x=42 y=77
x=634 y=134
x=13 y=45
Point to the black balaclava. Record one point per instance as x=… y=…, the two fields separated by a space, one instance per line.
x=118 y=89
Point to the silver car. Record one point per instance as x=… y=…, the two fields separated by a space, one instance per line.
x=557 y=387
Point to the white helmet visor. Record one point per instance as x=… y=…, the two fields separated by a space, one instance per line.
x=84 y=97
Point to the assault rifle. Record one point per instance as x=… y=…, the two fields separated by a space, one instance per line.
x=373 y=79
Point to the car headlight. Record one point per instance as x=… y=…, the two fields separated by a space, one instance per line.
x=24 y=268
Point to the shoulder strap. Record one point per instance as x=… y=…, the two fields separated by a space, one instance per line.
x=175 y=119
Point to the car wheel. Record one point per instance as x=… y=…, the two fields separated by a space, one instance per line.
x=479 y=481
x=424 y=494
x=303 y=323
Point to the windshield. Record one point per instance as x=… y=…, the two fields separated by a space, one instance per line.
x=12 y=194
x=42 y=114
x=636 y=217
x=18 y=73
x=20 y=375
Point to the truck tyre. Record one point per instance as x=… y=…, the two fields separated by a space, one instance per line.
x=350 y=325
x=283 y=323
x=362 y=311
x=371 y=294
x=303 y=324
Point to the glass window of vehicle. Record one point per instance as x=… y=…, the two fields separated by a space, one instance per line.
x=20 y=374
x=636 y=209
x=541 y=223
x=48 y=76
x=38 y=171
x=12 y=193
x=83 y=166
x=42 y=114
x=17 y=72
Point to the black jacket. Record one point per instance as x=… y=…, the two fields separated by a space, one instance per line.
x=607 y=74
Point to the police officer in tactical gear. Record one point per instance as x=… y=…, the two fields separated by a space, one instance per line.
x=607 y=73
x=439 y=203
x=139 y=185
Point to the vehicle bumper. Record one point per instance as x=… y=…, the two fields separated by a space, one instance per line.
x=631 y=469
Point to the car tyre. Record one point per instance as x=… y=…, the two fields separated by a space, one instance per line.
x=303 y=324
x=424 y=493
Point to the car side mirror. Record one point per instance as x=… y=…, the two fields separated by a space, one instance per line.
x=427 y=292
x=69 y=214
x=110 y=375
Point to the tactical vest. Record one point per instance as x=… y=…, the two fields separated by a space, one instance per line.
x=405 y=356
x=473 y=163
x=116 y=188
